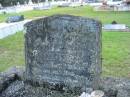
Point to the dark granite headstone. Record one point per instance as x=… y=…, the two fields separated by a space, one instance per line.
x=63 y=50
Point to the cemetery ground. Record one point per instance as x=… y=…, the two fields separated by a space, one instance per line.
x=86 y=11
x=115 y=53
x=115 y=48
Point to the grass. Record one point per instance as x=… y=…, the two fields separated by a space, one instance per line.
x=115 y=51
x=11 y=51
x=86 y=11
x=116 y=54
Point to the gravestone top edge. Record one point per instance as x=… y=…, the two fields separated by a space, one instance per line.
x=73 y=17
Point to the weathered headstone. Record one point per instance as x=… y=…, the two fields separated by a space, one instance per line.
x=63 y=51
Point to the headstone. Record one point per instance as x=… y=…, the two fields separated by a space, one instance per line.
x=30 y=2
x=18 y=4
x=114 y=27
x=0 y=5
x=64 y=4
x=63 y=51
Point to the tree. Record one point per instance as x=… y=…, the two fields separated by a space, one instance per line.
x=5 y=3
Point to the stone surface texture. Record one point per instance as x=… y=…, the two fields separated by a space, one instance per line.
x=64 y=51
x=112 y=87
x=20 y=89
x=115 y=87
x=62 y=60
x=9 y=76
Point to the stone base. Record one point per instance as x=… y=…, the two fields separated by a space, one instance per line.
x=12 y=85
x=19 y=89
x=112 y=88
x=115 y=87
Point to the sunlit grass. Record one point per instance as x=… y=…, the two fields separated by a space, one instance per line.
x=86 y=11
x=115 y=51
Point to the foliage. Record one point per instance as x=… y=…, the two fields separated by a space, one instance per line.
x=5 y=3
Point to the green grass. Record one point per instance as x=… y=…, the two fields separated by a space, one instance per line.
x=115 y=51
x=11 y=51
x=86 y=11
x=116 y=54
x=116 y=45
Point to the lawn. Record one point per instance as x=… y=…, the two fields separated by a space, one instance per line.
x=115 y=53
x=86 y=11
x=115 y=49
x=11 y=51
